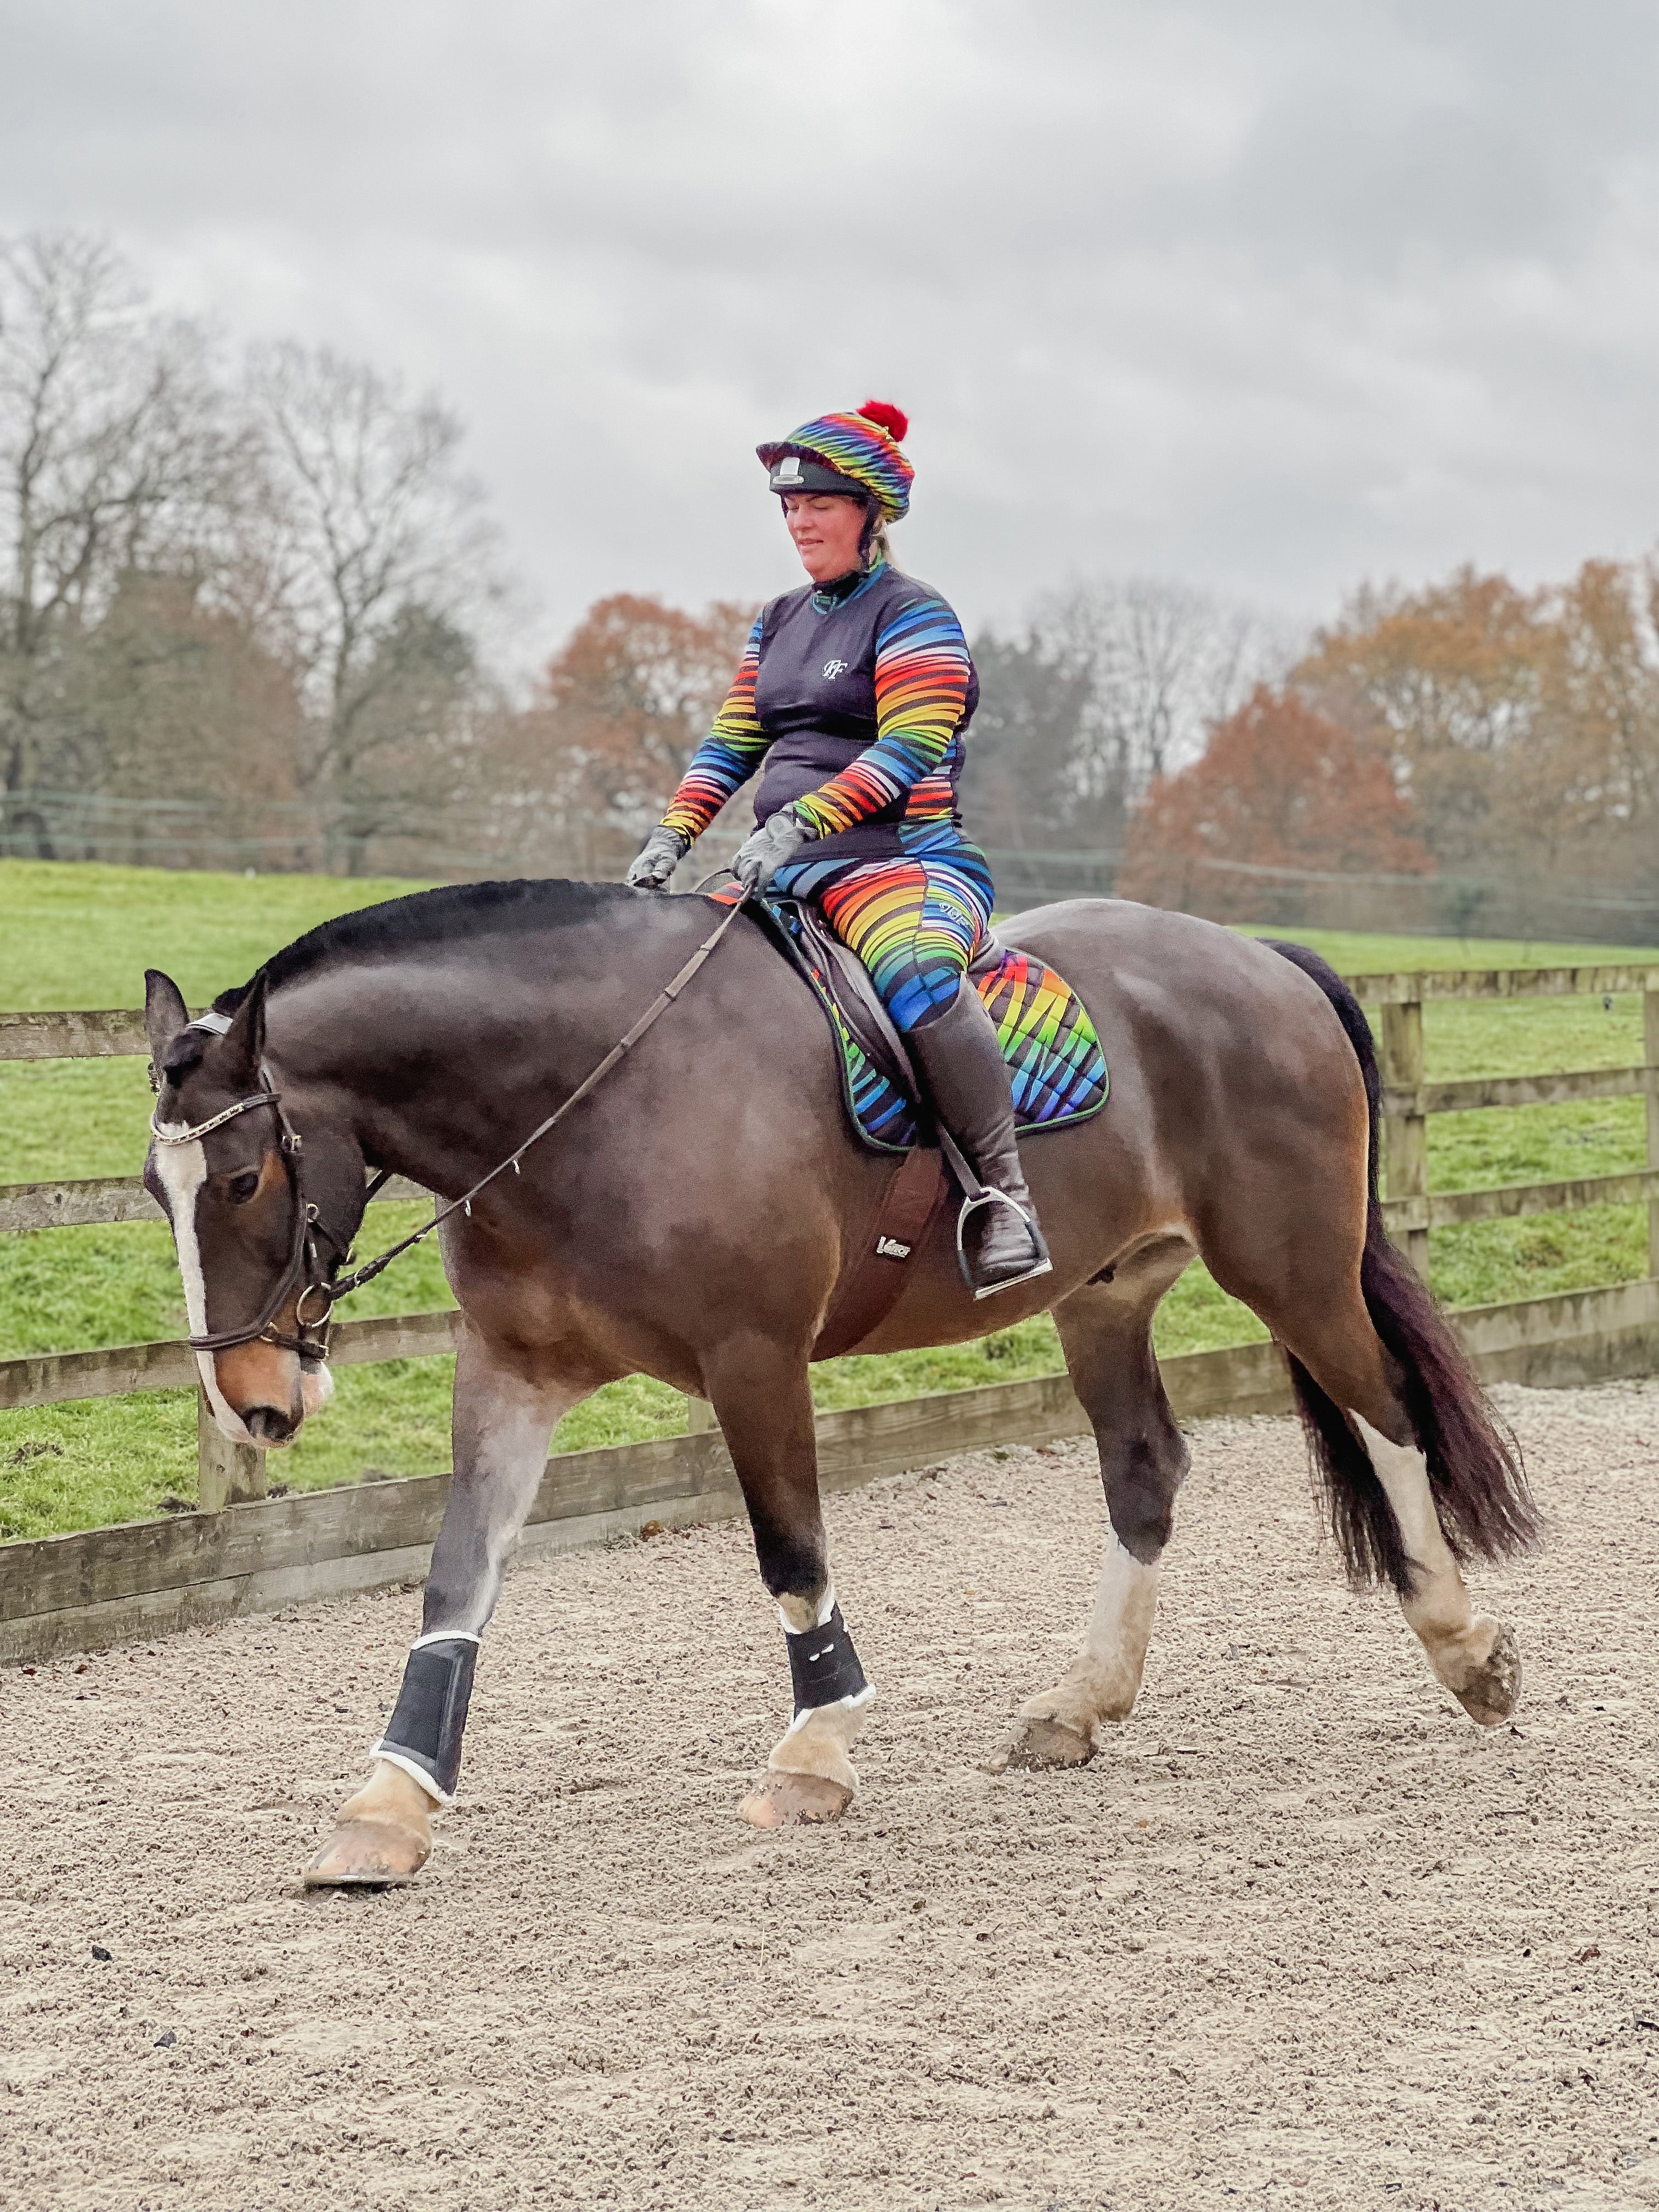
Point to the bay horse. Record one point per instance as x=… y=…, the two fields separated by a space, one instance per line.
x=692 y=1219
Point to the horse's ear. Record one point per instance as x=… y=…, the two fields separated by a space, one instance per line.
x=164 y=1011
x=245 y=1040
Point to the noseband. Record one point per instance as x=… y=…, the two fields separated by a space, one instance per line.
x=304 y=1265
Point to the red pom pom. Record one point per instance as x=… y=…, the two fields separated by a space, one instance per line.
x=886 y=417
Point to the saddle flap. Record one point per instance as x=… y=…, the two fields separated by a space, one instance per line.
x=860 y=1004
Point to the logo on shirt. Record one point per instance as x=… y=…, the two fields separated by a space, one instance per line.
x=835 y=668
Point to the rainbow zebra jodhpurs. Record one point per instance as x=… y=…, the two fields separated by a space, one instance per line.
x=915 y=923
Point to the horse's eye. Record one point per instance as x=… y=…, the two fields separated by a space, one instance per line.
x=242 y=1187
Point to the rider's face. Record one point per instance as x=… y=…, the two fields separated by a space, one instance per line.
x=826 y=527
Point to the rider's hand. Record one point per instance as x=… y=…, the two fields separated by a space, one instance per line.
x=659 y=857
x=761 y=856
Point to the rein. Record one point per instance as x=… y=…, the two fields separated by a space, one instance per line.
x=312 y=1341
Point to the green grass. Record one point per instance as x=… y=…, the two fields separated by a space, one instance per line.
x=82 y=935
x=73 y=936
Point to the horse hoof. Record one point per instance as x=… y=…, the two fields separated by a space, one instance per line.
x=1493 y=1690
x=795 y=1801
x=1041 y=1745
x=368 y=1855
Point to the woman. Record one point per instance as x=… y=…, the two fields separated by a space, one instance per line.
x=853 y=698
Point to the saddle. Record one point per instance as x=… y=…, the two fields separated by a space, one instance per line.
x=1056 y=1069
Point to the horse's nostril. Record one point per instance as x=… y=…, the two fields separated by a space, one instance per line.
x=268 y=1425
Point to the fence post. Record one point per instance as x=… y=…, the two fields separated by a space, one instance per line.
x=1406 y=1136
x=226 y=1473
x=699 y=1416
x=1650 y=1031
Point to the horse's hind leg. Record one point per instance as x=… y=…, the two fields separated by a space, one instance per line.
x=503 y=1421
x=1386 y=1496
x=1474 y=1654
x=763 y=1398
x=1105 y=1332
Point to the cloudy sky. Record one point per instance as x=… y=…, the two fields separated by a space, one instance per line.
x=1274 y=295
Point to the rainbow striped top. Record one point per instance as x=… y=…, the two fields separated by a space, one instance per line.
x=854 y=705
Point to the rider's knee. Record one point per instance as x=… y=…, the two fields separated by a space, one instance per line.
x=921 y=999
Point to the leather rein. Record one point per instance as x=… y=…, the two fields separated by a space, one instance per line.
x=322 y=1282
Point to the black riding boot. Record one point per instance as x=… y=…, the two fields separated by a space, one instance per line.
x=967 y=1079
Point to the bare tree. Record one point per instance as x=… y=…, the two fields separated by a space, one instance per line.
x=1164 y=664
x=114 y=447
x=373 y=558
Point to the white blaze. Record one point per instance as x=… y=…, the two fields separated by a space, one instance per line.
x=182 y=1170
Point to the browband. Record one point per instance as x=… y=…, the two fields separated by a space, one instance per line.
x=167 y=1134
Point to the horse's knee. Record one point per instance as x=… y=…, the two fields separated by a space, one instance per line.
x=1142 y=1478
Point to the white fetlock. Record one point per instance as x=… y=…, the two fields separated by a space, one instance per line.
x=382 y=1834
x=817 y=1741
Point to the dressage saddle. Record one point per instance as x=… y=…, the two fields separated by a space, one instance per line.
x=799 y=934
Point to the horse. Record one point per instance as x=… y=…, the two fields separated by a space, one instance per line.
x=694 y=1218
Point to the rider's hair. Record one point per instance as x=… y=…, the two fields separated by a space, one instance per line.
x=874 y=545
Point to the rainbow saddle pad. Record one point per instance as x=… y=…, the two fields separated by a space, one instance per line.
x=1056 y=1065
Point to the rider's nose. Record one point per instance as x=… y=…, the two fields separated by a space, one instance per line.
x=268 y=1425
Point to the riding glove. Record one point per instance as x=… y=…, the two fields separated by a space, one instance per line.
x=760 y=857
x=661 y=853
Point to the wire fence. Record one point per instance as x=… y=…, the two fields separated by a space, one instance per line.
x=1520 y=904
x=288 y=835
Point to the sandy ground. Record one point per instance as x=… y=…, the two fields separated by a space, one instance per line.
x=1300 y=1936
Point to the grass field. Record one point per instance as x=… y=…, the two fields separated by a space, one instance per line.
x=75 y=936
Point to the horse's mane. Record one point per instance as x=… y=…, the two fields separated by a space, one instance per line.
x=447 y=916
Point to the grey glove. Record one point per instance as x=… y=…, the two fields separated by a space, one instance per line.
x=657 y=858
x=760 y=857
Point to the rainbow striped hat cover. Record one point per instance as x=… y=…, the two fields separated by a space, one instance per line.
x=862 y=448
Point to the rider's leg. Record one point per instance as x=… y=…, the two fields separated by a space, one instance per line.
x=917 y=923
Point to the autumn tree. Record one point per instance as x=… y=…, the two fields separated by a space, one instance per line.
x=618 y=713
x=1279 y=785
x=1525 y=725
x=1113 y=684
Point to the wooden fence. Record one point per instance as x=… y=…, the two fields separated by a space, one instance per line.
x=242 y=1551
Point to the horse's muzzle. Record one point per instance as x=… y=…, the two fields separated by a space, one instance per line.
x=267 y=1425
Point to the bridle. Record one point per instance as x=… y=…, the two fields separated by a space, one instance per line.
x=304 y=1266
x=324 y=1284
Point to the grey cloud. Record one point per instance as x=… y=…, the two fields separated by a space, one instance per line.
x=1274 y=297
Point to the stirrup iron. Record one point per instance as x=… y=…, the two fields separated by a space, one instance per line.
x=986 y=1194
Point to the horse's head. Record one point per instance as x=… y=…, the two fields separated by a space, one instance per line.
x=258 y=1223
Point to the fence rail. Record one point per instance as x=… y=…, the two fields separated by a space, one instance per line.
x=1579 y=1337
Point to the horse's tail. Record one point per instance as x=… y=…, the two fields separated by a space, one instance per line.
x=1475 y=1468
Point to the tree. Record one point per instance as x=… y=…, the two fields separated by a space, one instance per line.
x=619 y=712
x=1113 y=685
x=1279 y=785
x=1599 y=711
x=1447 y=680
x=1164 y=663
x=368 y=562
x=1020 y=783
x=1525 y=725
x=115 y=448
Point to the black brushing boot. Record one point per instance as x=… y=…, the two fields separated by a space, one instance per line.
x=967 y=1080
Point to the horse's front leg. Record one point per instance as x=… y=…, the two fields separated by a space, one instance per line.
x=504 y=1418
x=763 y=1400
